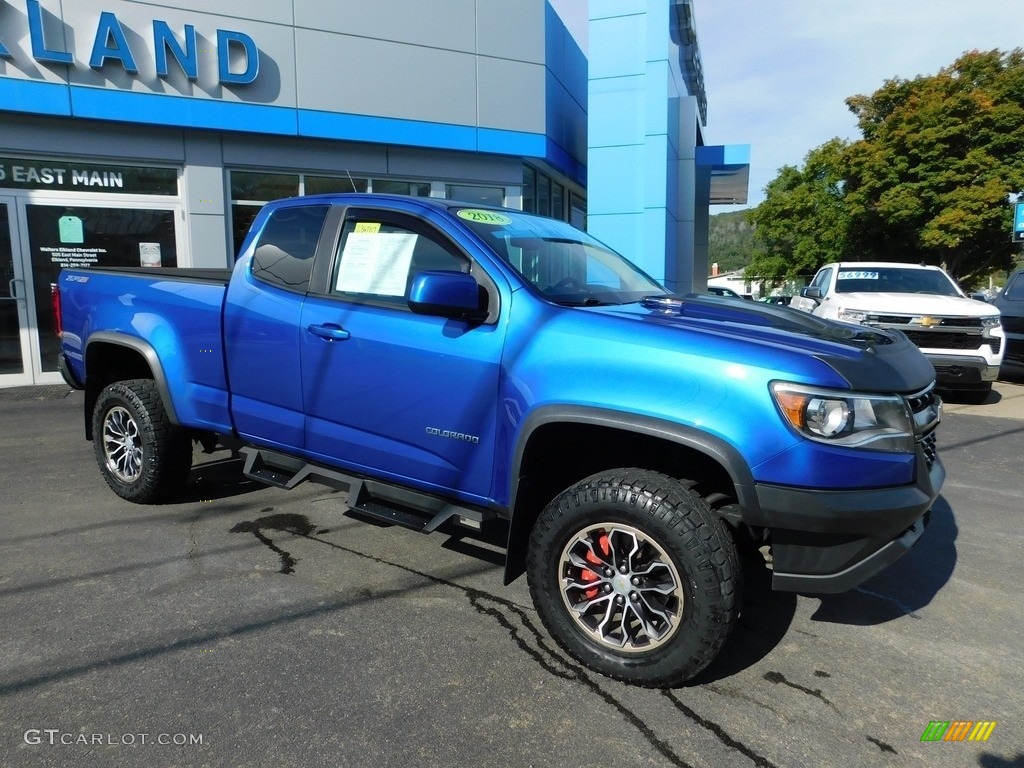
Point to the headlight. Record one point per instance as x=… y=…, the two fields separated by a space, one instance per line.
x=990 y=322
x=847 y=419
x=852 y=315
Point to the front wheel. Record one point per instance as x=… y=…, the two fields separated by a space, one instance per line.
x=142 y=456
x=635 y=577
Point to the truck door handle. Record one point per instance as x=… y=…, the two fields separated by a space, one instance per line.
x=329 y=331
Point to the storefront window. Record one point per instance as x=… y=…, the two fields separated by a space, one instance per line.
x=78 y=236
x=319 y=185
x=544 y=195
x=557 y=201
x=251 y=189
x=391 y=187
x=242 y=216
x=547 y=197
x=468 y=193
x=263 y=187
x=529 y=189
x=578 y=212
x=10 y=328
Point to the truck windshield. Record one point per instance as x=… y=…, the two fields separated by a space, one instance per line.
x=894 y=280
x=562 y=263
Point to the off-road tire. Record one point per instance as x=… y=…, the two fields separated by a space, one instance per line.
x=666 y=524
x=142 y=456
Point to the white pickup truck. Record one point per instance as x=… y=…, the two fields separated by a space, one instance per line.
x=962 y=337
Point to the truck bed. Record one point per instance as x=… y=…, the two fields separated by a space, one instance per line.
x=171 y=310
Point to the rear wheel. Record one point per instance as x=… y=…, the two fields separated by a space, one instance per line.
x=635 y=577
x=142 y=456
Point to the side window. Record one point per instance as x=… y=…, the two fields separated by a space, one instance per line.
x=1015 y=288
x=377 y=260
x=286 y=246
x=822 y=279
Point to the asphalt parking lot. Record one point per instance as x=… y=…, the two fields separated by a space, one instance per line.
x=248 y=626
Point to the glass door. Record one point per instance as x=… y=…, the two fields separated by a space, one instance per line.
x=15 y=360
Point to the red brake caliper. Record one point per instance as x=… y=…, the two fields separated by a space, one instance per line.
x=588 y=575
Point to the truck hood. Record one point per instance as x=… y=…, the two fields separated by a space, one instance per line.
x=913 y=304
x=869 y=359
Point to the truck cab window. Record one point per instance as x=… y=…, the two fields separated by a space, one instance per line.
x=287 y=244
x=377 y=260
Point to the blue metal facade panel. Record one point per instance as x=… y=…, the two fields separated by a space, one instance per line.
x=35 y=97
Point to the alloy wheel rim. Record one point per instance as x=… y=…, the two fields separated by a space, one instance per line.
x=621 y=588
x=122 y=445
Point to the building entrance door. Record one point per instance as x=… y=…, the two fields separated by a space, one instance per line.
x=15 y=341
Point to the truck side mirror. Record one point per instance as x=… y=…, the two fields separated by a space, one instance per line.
x=811 y=292
x=447 y=294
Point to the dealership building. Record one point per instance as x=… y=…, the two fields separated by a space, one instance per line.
x=149 y=134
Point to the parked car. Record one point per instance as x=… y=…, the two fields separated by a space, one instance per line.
x=1010 y=303
x=780 y=300
x=962 y=338
x=718 y=290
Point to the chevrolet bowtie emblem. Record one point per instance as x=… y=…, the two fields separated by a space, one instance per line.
x=928 y=322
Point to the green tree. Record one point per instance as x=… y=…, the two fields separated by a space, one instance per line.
x=940 y=161
x=932 y=179
x=803 y=221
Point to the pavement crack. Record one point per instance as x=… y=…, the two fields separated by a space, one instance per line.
x=778 y=677
x=882 y=745
x=521 y=630
x=297 y=525
x=193 y=541
x=719 y=732
x=544 y=655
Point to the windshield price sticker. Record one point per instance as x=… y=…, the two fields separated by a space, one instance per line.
x=857 y=276
x=484 y=217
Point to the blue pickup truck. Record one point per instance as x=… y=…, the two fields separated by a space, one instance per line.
x=446 y=363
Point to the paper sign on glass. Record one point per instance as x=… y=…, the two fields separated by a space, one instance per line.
x=376 y=263
x=149 y=254
x=71 y=230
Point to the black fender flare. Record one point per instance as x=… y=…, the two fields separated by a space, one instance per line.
x=687 y=436
x=148 y=353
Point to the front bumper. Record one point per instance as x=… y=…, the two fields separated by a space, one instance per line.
x=833 y=541
x=963 y=371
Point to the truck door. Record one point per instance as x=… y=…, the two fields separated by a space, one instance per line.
x=261 y=327
x=392 y=393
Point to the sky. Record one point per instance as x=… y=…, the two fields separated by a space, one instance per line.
x=777 y=72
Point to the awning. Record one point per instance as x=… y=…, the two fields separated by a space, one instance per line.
x=729 y=167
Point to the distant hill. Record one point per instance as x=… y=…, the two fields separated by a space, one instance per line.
x=730 y=241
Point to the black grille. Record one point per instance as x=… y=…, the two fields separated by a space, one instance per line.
x=925 y=406
x=943 y=322
x=921 y=400
x=927 y=441
x=947 y=340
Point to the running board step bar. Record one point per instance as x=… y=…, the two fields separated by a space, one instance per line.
x=370 y=498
